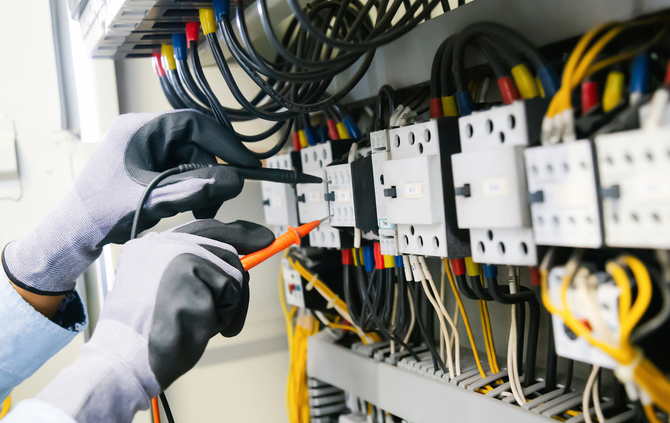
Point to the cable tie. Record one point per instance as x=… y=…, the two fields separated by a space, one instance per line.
x=332 y=301
x=626 y=372
x=310 y=285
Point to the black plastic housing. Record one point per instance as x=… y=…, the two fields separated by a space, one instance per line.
x=363 y=186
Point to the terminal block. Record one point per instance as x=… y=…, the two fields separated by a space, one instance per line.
x=279 y=205
x=562 y=190
x=490 y=182
x=634 y=171
x=418 y=189
x=312 y=201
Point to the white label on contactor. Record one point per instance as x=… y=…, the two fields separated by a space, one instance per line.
x=343 y=196
x=492 y=188
x=315 y=196
x=413 y=191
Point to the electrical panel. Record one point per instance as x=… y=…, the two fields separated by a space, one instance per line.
x=490 y=182
x=563 y=193
x=279 y=203
x=635 y=187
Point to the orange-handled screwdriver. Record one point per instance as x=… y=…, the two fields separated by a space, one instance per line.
x=292 y=236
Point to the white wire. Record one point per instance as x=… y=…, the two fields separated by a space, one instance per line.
x=442 y=274
x=596 y=402
x=394 y=116
x=586 y=397
x=454 y=331
x=512 y=366
x=413 y=318
x=587 y=295
x=658 y=103
x=418 y=274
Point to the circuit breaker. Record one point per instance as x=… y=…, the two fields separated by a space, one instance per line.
x=562 y=190
x=312 y=200
x=634 y=171
x=279 y=204
x=490 y=182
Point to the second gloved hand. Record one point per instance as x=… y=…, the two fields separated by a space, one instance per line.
x=99 y=208
x=173 y=291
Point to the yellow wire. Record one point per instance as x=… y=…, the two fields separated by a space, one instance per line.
x=288 y=317
x=5 y=406
x=489 y=328
x=466 y=322
x=486 y=336
x=650 y=413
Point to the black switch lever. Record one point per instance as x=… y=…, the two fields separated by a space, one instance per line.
x=463 y=191
x=390 y=192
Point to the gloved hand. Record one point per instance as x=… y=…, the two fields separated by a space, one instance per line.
x=99 y=207
x=173 y=291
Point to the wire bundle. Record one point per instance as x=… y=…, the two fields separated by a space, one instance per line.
x=451 y=93
x=642 y=379
x=558 y=124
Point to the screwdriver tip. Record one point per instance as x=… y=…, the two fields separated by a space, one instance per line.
x=326 y=218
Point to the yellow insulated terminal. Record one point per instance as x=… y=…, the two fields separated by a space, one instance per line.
x=303 y=138
x=207 y=21
x=342 y=131
x=389 y=262
x=613 y=90
x=167 y=57
x=471 y=267
x=524 y=81
x=449 y=107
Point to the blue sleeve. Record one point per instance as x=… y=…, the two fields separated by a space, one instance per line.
x=36 y=411
x=28 y=339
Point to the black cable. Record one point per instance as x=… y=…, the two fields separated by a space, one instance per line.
x=187 y=78
x=152 y=185
x=497 y=31
x=173 y=78
x=568 y=378
x=288 y=104
x=437 y=69
x=465 y=288
x=166 y=407
x=552 y=359
x=400 y=29
x=427 y=338
x=169 y=94
x=524 y=295
x=644 y=330
x=389 y=291
x=380 y=326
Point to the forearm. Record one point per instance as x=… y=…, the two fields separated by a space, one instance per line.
x=28 y=338
x=46 y=305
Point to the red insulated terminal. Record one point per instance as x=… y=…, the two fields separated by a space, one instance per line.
x=158 y=66
x=296 y=141
x=508 y=90
x=347 y=258
x=666 y=80
x=192 y=31
x=589 y=96
x=332 y=129
x=436 y=108
x=379 y=259
x=458 y=266
x=534 y=276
